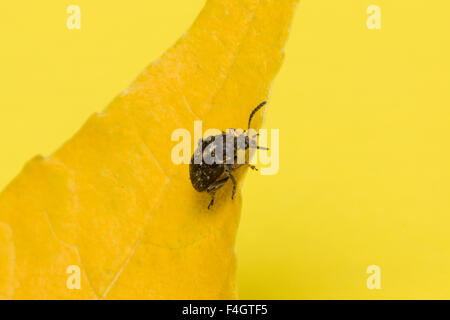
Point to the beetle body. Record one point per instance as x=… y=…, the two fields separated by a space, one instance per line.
x=216 y=157
x=202 y=174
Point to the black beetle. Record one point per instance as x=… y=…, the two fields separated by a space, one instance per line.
x=209 y=176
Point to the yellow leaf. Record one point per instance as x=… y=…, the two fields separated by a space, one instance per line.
x=111 y=200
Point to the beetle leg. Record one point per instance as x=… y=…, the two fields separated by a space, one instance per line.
x=227 y=170
x=212 y=200
x=252 y=166
x=213 y=188
x=216 y=185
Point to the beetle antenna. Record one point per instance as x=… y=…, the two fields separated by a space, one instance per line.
x=254 y=111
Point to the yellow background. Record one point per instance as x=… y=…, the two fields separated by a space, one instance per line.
x=364 y=121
